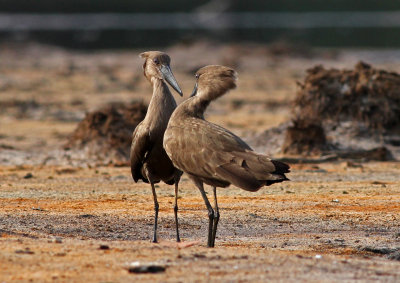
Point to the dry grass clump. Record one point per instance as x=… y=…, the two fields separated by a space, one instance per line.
x=365 y=95
x=107 y=132
x=304 y=137
x=366 y=98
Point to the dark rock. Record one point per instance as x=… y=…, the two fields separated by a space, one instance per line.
x=86 y=216
x=395 y=255
x=28 y=176
x=382 y=251
x=104 y=247
x=6 y=146
x=26 y=251
x=199 y=255
x=147 y=269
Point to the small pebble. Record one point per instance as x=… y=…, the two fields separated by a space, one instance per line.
x=37 y=208
x=26 y=251
x=119 y=177
x=86 y=216
x=57 y=240
x=146 y=269
x=335 y=200
x=318 y=256
x=28 y=176
x=254 y=215
x=104 y=247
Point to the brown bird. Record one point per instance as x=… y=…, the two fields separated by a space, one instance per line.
x=211 y=154
x=149 y=162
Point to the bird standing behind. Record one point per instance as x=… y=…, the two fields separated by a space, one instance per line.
x=211 y=154
x=149 y=161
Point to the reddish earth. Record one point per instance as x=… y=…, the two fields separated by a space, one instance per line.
x=314 y=228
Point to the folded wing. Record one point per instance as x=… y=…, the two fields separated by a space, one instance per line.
x=211 y=152
x=141 y=145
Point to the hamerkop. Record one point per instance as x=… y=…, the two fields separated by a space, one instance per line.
x=211 y=154
x=149 y=162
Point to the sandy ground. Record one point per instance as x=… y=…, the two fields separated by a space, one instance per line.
x=331 y=222
x=69 y=223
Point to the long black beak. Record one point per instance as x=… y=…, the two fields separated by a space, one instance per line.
x=169 y=77
x=194 y=92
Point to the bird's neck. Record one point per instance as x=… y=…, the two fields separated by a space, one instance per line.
x=162 y=103
x=196 y=106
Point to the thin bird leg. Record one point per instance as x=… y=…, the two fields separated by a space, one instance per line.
x=155 y=210
x=210 y=213
x=178 y=239
x=216 y=216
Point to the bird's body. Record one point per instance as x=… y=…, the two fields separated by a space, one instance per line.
x=211 y=154
x=149 y=161
x=216 y=156
x=147 y=152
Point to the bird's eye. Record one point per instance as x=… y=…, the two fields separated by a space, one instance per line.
x=156 y=61
x=197 y=76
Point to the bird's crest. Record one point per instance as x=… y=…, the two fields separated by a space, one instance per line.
x=214 y=81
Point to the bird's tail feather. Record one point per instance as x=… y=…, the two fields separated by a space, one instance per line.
x=250 y=171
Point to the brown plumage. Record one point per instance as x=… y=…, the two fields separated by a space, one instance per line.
x=149 y=161
x=211 y=154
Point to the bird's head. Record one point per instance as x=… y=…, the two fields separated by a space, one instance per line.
x=213 y=81
x=157 y=65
